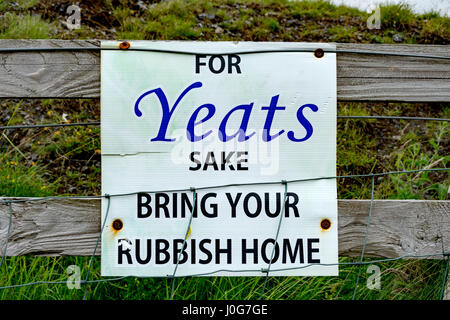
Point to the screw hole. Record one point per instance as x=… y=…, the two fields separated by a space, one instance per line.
x=124 y=45
x=325 y=224
x=319 y=53
x=117 y=224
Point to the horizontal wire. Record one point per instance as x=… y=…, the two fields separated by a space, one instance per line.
x=106 y=196
x=49 y=125
x=97 y=123
x=394 y=118
x=50 y=49
x=59 y=282
x=237 y=270
x=317 y=264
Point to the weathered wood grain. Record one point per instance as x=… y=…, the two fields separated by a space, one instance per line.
x=360 y=77
x=73 y=74
x=398 y=227
x=51 y=228
x=363 y=77
x=447 y=290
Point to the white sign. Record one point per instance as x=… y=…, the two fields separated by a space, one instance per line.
x=224 y=126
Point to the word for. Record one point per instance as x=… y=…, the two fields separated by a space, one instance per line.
x=233 y=62
x=216 y=251
x=241 y=133
x=164 y=205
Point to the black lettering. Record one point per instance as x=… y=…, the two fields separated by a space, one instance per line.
x=210 y=161
x=198 y=63
x=258 y=205
x=234 y=203
x=141 y=204
x=122 y=252
x=213 y=206
x=226 y=251
x=267 y=205
x=311 y=250
x=185 y=201
x=253 y=250
x=163 y=250
x=176 y=251
x=205 y=251
x=174 y=205
x=211 y=64
x=226 y=160
x=291 y=205
x=240 y=161
x=138 y=252
x=193 y=251
x=264 y=249
x=234 y=64
x=161 y=204
x=192 y=157
x=287 y=250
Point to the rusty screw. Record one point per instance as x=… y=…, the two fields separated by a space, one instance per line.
x=325 y=224
x=117 y=224
x=319 y=53
x=124 y=45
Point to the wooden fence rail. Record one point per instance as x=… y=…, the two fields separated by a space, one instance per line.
x=360 y=77
x=398 y=227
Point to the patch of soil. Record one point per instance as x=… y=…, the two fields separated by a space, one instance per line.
x=97 y=16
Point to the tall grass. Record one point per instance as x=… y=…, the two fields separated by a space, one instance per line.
x=409 y=279
x=13 y=26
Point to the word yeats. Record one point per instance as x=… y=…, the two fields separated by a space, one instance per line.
x=241 y=134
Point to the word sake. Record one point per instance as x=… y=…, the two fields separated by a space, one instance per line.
x=224 y=161
x=241 y=133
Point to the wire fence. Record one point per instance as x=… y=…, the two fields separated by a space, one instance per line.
x=269 y=270
x=444 y=254
x=266 y=271
x=97 y=123
x=319 y=52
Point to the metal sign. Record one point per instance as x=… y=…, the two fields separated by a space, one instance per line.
x=212 y=154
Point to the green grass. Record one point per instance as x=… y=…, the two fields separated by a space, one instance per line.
x=14 y=26
x=5 y=5
x=408 y=147
x=407 y=279
x=19 y=179
x=258 y=20
x=65 y=161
